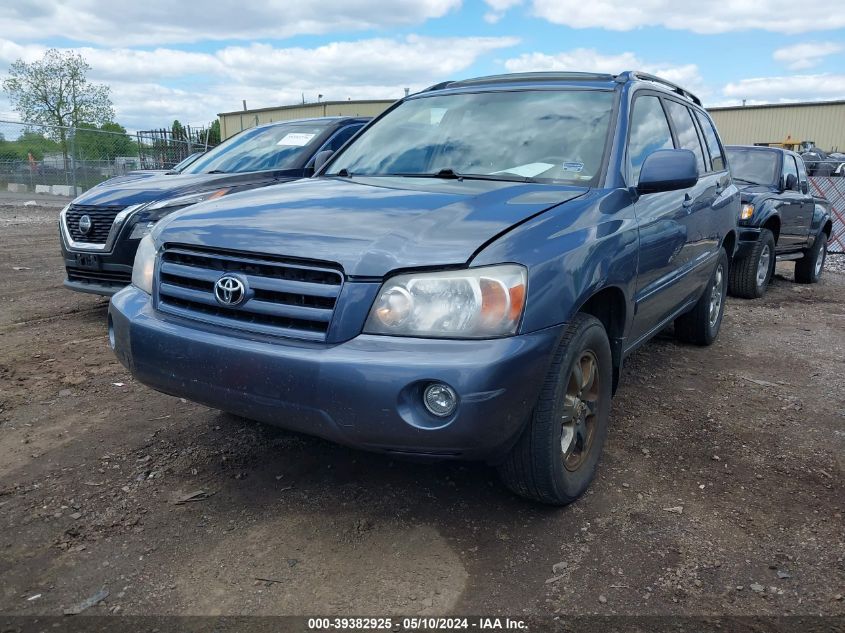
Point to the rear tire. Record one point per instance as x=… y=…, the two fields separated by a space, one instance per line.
x=556 y=456
x=700 y=326
x=809 y=268
x=750 y=276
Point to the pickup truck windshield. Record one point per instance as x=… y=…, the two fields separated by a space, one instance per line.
x=543 y=135
x=259 y=149
x=753 y=167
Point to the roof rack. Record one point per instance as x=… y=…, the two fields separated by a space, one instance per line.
x=439 y=86
x=637 y=74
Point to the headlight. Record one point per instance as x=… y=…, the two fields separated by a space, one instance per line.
x=142 y=270
x=746 y=212
x=184 y=201
x=473 y=303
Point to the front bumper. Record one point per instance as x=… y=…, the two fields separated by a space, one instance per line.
x=365 y=392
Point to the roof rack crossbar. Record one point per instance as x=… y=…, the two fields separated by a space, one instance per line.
x=637 y=74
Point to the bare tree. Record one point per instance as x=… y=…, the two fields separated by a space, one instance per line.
x=55 y=91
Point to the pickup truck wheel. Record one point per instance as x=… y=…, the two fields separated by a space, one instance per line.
x=700 y=326
x=750 y=276
x=809 y=268
x=556 y=456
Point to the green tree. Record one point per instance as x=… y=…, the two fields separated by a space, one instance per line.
x=55 y=91
x=104 y=142
x=214 y=133
x=179 y=132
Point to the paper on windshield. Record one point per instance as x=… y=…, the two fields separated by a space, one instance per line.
x=528 y=171
x=296 y=139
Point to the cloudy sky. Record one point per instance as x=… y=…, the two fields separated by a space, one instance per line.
x=190 y=60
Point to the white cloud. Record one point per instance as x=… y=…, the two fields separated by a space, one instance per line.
x=143 y=82
x=155 y=22
x=590 y=60
x=779 y=16
x=498 y=8
x=819 y=87
x=806 y=55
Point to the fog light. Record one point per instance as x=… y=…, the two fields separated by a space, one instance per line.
x=440 y=399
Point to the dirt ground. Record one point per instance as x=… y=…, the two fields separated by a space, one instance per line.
x=720 y=490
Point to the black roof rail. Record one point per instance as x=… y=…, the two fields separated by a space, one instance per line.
x=637 y=74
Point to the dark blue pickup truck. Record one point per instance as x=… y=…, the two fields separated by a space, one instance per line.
x=779 y=220
x=463 y=280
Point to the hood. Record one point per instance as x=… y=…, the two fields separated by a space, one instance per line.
x=748 y=193
x=370 y=226
x=147 y=187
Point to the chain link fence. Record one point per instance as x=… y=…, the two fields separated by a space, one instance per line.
x=66 y=161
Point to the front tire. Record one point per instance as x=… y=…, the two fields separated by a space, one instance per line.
x=556 y=456
x=700 y=326
x=750 y=276
x=809 y=268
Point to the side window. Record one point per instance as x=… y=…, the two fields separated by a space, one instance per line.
x=802 y=176
x=338 y=140
x=685 y=129
x=789 y=167
x=717 y=158
x=649 y=132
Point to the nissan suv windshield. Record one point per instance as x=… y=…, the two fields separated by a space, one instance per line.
x=543 y=135
x=259 y=149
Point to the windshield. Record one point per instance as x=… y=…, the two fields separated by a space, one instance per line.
x=753 y=167
x=555 y=135
x=259 y=149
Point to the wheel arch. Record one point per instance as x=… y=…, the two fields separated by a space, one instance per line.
x=610 y=306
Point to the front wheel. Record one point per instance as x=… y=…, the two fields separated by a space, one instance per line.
x=750 y=276
x=809 y=268
x=556 y=456
x=700 y=326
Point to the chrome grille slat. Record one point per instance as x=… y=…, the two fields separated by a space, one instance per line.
x=287 y=298
x=102 y=219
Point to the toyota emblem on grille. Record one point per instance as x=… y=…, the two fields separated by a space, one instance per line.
x=229 y=291
x=85 y=224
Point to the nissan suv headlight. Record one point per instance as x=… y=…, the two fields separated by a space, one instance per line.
x=473 y=303
x=145 y=260
x=191 y=198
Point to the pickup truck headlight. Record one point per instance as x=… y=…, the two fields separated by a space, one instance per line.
x=142 y=270
x=746 y=212
x=472 y=303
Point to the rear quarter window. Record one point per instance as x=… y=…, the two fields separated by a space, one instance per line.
x=714 y=148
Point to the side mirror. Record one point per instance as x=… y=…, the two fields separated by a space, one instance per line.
x=668 y=170
x=321 y=158
x=791 y=183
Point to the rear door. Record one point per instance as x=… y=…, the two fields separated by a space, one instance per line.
x=795 y=222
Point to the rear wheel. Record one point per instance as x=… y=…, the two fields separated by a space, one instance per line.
x=809 y=268
x=556 y=456
x=700 y=325
x=750 y=276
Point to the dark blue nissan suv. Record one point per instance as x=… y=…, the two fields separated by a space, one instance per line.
x=462 y=280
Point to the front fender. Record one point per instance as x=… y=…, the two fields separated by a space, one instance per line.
x=821 y=216
x=572 y=252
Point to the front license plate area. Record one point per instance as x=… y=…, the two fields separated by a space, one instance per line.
x=88 y=262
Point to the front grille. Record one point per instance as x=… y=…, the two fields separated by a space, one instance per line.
x=99 y=276
x=101 y=220
x=285 y=297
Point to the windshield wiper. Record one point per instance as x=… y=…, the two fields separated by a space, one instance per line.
x=450 y=174
x=216 y=171
x=749 y=182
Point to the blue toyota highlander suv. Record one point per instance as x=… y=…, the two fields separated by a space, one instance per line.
x=463 y=280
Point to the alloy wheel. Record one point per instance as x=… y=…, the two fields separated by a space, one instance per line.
x=578 y=420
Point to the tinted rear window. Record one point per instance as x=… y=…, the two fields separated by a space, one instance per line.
x=716 y=156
